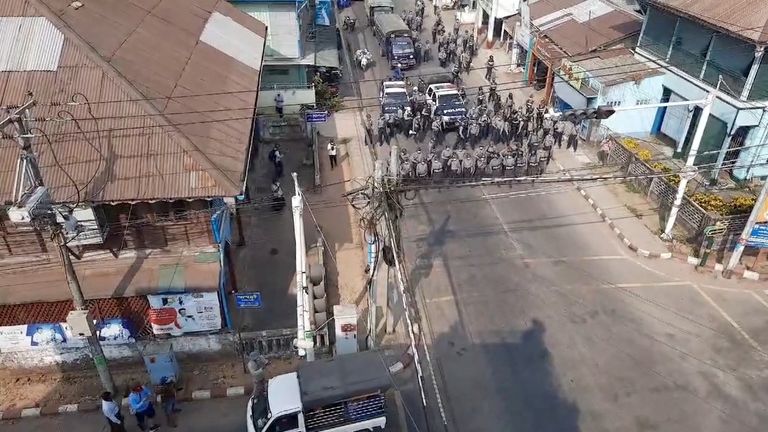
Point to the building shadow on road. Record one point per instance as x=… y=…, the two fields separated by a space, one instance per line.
x=509 y=384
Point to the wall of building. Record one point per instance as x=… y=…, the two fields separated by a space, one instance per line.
x=636 y=122
x=293 y=98
x=75 y=358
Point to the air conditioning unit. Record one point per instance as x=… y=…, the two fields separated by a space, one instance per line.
x=83 y=225
x=34 y=205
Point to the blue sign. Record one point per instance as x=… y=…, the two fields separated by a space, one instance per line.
x=248 y=300
x=323 y=12
x=759 y=236
x=316 y=116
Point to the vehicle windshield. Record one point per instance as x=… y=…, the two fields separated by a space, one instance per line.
x=402 y=46
x=450 y=100
x=396 y=98
x=260 y=412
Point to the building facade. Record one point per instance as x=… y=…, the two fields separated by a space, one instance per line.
x=297 y=46
x=143 y=131
x=710 y=46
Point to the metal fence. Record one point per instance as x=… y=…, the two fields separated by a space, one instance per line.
x=277 y=343
x=691 y=218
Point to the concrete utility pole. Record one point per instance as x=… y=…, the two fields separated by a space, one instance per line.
x=689 y=172
x=754 y=217
x=304 y=345
x=31 y=172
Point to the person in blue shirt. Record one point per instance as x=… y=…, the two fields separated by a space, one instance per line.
x=140 y=403
x=398 y=73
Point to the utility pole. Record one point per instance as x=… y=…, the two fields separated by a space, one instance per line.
x=34 y=180
x=758 y=215
x=689 y=171
x=304 y=345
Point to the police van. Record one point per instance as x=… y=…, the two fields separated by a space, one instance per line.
x=446 y=102
x=393 y=95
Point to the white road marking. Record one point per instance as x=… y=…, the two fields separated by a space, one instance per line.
x=759 y=299
x=730 y=320
x=501 y=220
x=585 y=258
x=643 y=284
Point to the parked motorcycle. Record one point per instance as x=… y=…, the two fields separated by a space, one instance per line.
x=363 y=58
x=349 y=23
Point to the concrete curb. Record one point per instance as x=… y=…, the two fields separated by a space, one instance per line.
x=641 y=252
x=52 y=410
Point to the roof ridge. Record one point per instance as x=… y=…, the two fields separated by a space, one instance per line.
x=194 y=152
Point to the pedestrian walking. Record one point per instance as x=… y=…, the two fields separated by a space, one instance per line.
x=489 y=68
x=573 y=138
x=141 y=406
x=427 y=52
x=167 y=393
x=558 y=132
x=276 y=157
x=434 y=33
x=279 y=103
x=332 y=154
x=111 y=411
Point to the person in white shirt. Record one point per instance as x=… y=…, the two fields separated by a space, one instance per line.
x=279 y=102
x=111 y=411
x=332 y=154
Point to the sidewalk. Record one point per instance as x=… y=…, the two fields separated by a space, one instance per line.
x=623 y=208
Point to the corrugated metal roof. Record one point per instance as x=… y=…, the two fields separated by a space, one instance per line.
x=138 y=148
x=747 y=19
x=29 y=44
x=624 y=68
x=283 y=27
x=234 y=40
x=581 y=27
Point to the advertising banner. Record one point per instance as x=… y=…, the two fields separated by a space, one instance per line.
x=46 y=335
x=323 y=12
x=176 y=314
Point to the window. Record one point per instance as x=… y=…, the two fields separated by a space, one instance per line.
x=643 y=101
x=278 y=71
x=659 y=28
x=613 y=103
x=288 y=422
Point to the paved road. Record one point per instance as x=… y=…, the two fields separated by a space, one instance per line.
x=540 y=322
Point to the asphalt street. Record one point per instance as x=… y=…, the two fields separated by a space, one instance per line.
x=539 y=319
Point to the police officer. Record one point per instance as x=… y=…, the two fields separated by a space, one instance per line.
x=445 y=156
x=546 y=126
x=540 y=110
x=442 y=56
x=558 y=132
x=381 y=125
x=474 y=133
x=465 y=62
x=549 y=142
x=400 y=125
x=480 y=97
x=368 y=123
x=437 y=130
x=489 y=68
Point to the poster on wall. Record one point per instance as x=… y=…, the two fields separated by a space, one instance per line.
x=323 y=12
x=58 y=335
x=176 y=314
